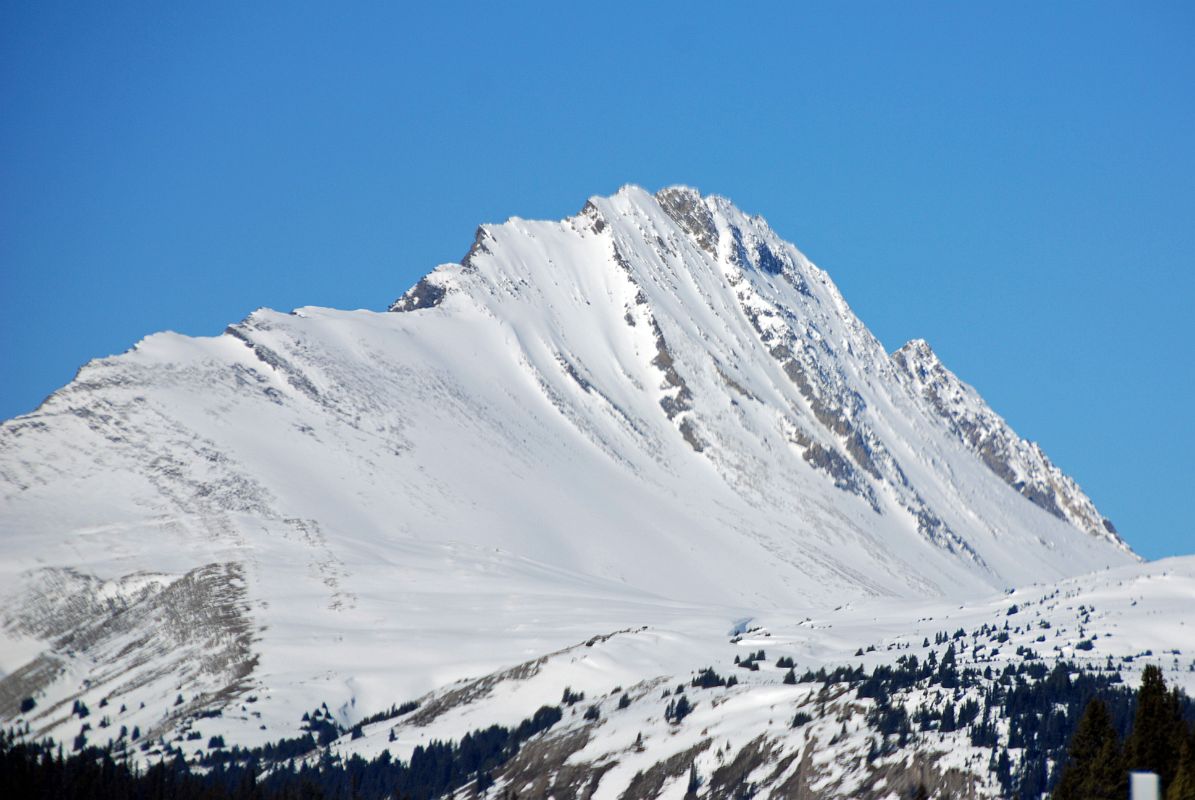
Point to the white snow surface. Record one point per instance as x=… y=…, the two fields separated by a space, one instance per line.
x=653 y=417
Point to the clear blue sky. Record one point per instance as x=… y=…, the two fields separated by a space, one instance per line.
x=1014 y=183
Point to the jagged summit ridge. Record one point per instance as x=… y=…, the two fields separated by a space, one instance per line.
x=1020 y=463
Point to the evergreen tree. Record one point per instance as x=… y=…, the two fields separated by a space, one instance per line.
x=1004 y=769
x=1095 y=767
x=694 y=782
x=1158 y=728
x=1183 y=785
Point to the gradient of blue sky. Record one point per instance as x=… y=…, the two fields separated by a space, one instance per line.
x=1012 y=182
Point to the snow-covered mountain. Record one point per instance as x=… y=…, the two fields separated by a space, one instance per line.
x=655 y=410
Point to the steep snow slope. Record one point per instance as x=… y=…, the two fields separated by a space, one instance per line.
x=1021 y=464
x=650 y=410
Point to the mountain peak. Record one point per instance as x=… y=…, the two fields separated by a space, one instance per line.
x=722 y=295
x=919 y=349
x=678 y=190
x=676 y=363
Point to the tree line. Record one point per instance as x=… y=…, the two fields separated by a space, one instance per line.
x=31 y=770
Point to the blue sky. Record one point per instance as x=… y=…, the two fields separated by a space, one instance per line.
x=1013 y=182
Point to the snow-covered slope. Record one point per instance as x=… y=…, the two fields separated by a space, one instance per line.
x=1115 y=621
x=655 y=410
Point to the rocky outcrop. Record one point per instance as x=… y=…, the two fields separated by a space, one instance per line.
x=144 y=630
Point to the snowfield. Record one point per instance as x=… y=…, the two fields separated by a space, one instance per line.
x=581 y=458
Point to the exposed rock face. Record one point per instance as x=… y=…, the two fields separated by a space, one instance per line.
x=425 y=294
x=1019 y=463
x=144 y=633
x=690 y=211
